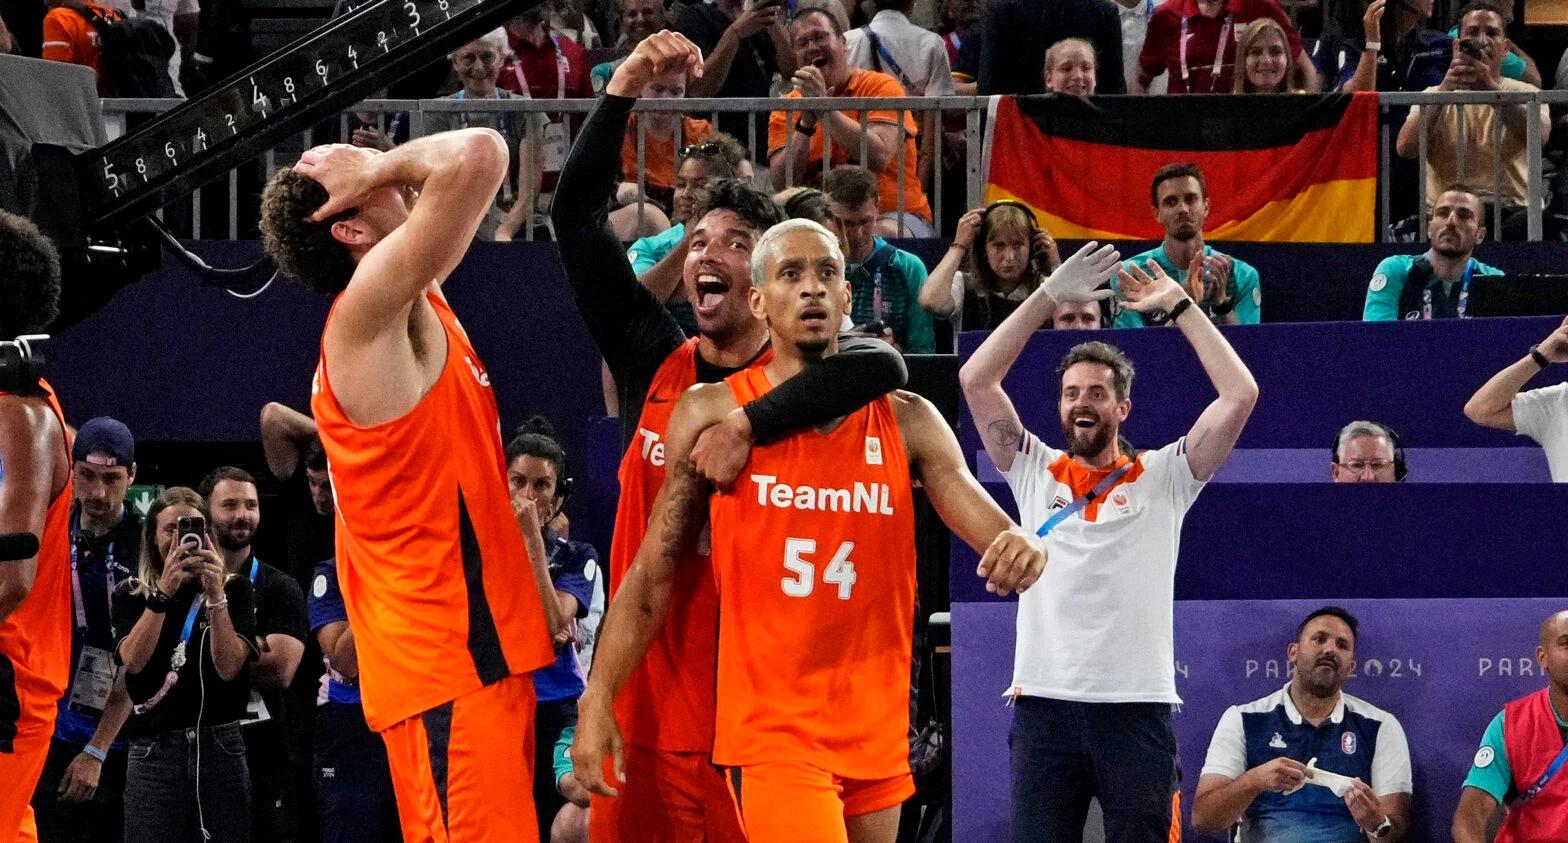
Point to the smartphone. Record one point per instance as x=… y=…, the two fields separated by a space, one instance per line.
x=874 y=329
x=191 y=529
x=1469 y=47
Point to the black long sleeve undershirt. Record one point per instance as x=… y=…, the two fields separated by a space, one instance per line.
x=636 y=334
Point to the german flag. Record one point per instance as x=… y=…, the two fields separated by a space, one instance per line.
x=1294 y=169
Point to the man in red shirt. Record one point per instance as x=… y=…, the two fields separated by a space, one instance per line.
x=1194 y=42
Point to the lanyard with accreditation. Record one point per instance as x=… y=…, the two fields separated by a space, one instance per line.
x=1084 y=500
x=1219 y=56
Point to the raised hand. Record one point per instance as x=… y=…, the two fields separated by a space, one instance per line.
x=660 y=52
x=968 y=226
x=1372 y=20
x=1081 y=276
x=343 y=169
x=1149 y=291
x=1555 y=346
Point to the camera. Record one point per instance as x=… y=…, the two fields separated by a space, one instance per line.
x=1469 y=47
x=191 y=529
x=21 y=364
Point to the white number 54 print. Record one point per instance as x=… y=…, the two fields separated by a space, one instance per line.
x=840 y=571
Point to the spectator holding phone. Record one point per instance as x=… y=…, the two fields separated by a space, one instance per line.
x=186 y=632
x=1487 y=154
x=744 y=44
x=1013 y=256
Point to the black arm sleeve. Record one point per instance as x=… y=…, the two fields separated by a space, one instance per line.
x=631 y=328
x=863 y=370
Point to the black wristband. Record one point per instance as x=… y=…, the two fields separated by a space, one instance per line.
x=1177 y=311
x=800 y=127
x=1224 y=308
x=157 y=603
x=1538 y=357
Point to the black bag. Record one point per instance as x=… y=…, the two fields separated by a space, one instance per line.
x=133 y=54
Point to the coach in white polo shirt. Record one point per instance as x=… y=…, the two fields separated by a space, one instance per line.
x=1541 y=414
x=1094 y=673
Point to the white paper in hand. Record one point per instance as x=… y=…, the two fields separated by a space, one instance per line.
x=1335 y=782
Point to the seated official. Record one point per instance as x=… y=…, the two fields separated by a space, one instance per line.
x=1367 y=452
x=1435 y=285
x=1005 y=254
x=1224 y=288
x=1257 y=771
x=1526 y=738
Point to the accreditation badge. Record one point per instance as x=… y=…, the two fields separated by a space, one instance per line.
x=94 y=677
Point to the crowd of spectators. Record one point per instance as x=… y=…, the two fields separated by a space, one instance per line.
x=193 y=653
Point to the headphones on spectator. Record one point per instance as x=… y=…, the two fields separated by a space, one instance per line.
x=1400 y=469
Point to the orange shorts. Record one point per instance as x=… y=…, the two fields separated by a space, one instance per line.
x=668 y=797
x=464 y=771
x=19 y=772
x=798 y=803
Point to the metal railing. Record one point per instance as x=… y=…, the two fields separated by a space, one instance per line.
x=423 y=116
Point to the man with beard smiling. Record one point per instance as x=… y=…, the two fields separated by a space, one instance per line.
x=1224 y=288
x=1435 y=285
x=1258 y=758
x=1094 y=676
x=667 y=707
x=280 y=626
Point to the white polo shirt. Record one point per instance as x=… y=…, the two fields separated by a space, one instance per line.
x=1542 y=415
x=1097 y=627
x=920 y=54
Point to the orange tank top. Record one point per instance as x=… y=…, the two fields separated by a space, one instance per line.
x=814 y=558
x=431 y=562
x=36 y=638
x=667 y=703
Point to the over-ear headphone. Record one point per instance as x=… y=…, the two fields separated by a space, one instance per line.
x=1400 y=469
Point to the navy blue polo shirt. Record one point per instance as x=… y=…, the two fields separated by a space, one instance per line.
x=573 y=567
x=1357 y=740
x=325 y=607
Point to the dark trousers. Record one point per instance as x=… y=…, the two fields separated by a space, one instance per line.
x=272 y=807
x=550 y=720
x=100 y=820
x=173 y=792
x=353 y=782
x=1065 y=753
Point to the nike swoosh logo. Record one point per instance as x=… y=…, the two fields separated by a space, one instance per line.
x=660 y=399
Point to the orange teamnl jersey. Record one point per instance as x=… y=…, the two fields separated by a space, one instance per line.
x=814 y=558
x=667 y=703
x=430 y=557
x=36 y=637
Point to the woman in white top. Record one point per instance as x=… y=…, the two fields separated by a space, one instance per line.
x=1014 y=254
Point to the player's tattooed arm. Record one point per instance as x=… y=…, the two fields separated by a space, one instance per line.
x=637 y=612
x=1012 y=557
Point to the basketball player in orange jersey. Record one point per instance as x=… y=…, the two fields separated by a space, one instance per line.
x=814 y=560
x=449 y=606
x=673 y=794
x=35 y=497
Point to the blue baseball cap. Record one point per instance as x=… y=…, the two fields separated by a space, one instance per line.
x=104 y=441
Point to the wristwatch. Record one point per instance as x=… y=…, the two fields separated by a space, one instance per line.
x=1373 y=46
x=157 y=602
x=1539 y=358
x=1224 y=308
x=1383 y=830
x=801 y=127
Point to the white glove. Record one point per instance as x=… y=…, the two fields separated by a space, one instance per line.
x=1080 y=276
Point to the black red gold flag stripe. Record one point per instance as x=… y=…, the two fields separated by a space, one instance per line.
x=1299 y=169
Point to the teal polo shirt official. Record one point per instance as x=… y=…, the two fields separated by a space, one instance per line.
x=1387 y=287
x=1244 y=289
x=648 y=251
